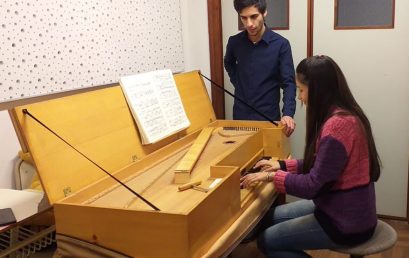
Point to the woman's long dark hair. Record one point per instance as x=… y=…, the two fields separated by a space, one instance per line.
x=328 y=88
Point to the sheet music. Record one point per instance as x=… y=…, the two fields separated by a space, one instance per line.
x=155 y=104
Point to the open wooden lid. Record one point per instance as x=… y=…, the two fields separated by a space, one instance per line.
x=100 y=125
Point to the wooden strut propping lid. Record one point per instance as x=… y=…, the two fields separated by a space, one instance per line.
x=184 y=169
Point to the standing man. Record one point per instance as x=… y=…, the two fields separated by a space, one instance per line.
x=259 y=62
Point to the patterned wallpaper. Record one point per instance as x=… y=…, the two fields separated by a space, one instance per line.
x=53 y=45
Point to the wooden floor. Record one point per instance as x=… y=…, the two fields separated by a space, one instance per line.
x=400 y=250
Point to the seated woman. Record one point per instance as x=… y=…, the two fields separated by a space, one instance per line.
x=335 y=178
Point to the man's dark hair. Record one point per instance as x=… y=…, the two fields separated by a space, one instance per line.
x=239 y=5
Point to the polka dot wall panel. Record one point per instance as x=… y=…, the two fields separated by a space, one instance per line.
x=51 y=46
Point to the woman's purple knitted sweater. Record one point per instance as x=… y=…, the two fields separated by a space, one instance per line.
x=338 y=182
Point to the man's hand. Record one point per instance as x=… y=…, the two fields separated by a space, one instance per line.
x=289 y=124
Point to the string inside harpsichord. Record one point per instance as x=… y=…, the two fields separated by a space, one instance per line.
x=157 y=181
x=26 y=112
x=235 y=131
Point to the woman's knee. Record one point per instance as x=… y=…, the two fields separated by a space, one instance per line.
x=290 y=211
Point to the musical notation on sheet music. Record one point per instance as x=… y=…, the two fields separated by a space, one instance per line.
x=155 y=104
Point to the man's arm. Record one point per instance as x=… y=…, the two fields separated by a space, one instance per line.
x=230 y=62
x=288 y=86
x=287 y=80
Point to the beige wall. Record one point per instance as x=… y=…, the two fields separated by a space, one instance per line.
x=8 y=150
x=229 y=21
x=195 y=36
x=376 y=65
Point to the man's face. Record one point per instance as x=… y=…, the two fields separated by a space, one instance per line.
x=253 y=21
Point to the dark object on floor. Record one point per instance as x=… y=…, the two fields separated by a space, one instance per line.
x=7 y=217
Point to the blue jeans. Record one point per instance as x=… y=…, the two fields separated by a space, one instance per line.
x=291 y=228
